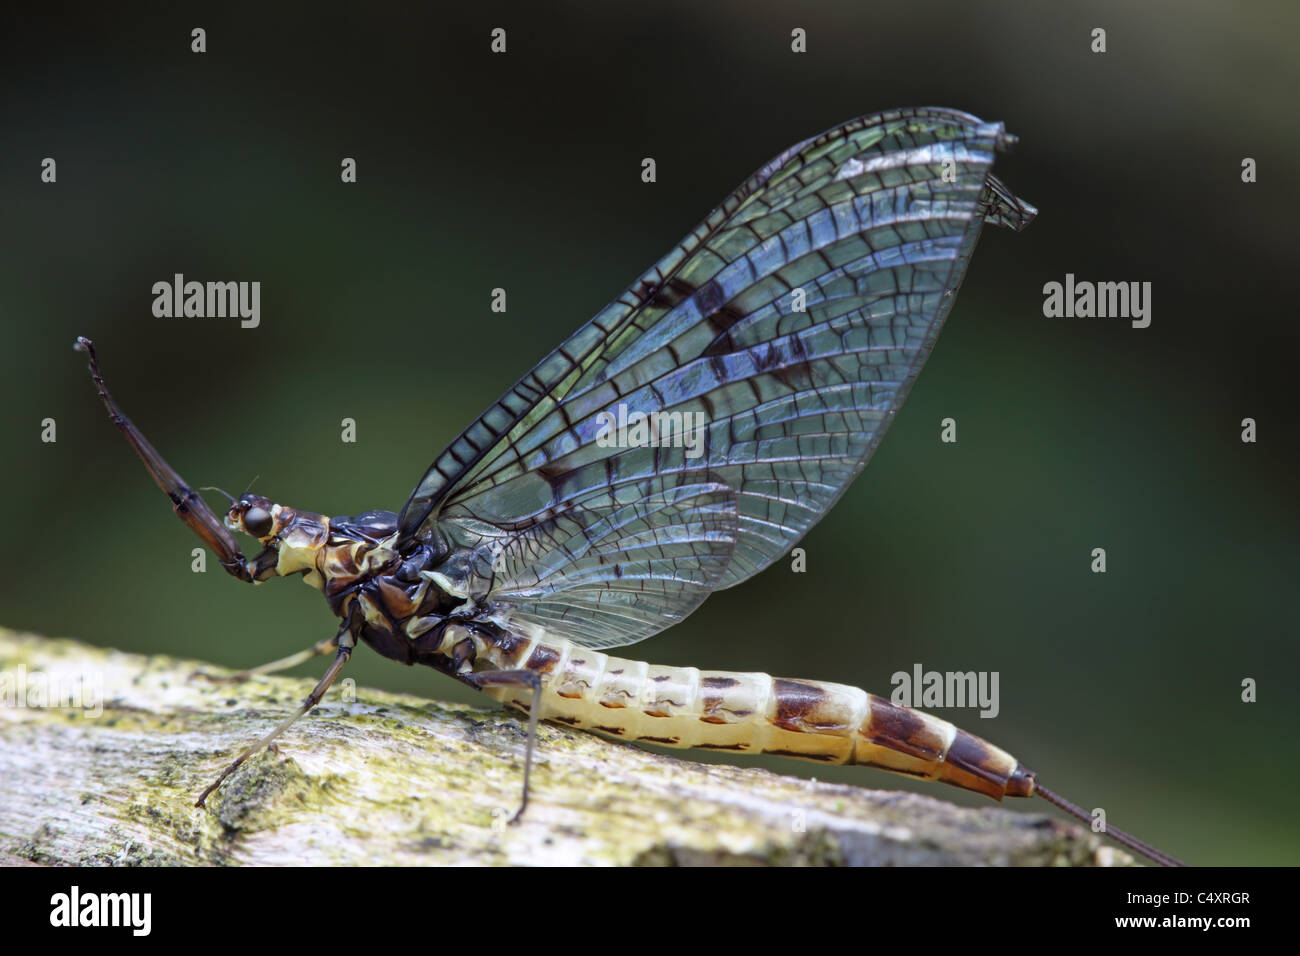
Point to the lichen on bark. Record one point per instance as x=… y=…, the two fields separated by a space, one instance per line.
x=393 y=780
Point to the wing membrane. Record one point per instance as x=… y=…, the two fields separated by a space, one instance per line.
x=784 y=331
x=622 y=564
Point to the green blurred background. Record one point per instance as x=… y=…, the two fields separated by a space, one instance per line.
x=522 y=171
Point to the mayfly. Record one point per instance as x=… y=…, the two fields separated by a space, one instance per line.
x=770 y=349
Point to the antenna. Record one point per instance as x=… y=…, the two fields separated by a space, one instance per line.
x=218 y=491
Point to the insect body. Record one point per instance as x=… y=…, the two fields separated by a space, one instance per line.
x=770 y=349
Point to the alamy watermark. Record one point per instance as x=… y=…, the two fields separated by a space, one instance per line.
x=22 y=688
x=928 y=689
x=1082 y=299
x=208 y=300
x=75 y=908
x=626 y=429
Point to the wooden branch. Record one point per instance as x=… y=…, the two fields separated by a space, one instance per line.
x=390 y=780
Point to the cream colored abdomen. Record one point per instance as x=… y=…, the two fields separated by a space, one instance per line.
x=748 y=713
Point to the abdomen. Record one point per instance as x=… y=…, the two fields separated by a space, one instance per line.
x=749 y=713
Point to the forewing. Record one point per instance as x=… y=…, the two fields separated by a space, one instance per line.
x=788 y=326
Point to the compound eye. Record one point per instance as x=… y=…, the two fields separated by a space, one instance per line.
x=257 y=522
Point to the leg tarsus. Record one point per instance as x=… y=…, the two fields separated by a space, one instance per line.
x=517 y=678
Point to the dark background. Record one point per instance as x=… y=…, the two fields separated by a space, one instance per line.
x=475 y=171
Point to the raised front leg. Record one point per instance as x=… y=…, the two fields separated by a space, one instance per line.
x=187 y=504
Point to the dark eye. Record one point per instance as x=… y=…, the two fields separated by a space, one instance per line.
x=257 y=522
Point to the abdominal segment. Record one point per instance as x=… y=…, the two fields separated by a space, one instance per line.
x=749 y=713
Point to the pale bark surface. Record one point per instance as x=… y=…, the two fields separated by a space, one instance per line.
x=391 y=780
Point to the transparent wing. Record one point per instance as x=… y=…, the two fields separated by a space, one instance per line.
x=616 y=566
x=771 y=348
